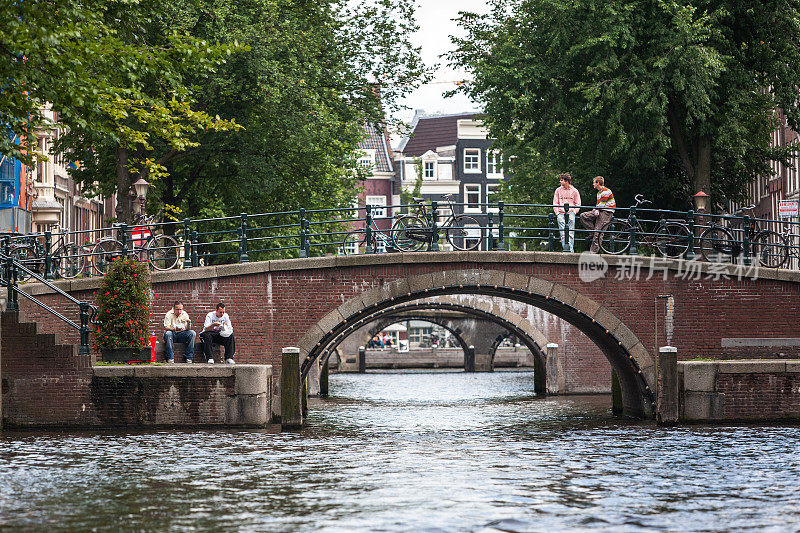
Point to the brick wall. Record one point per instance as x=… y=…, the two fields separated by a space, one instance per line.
x=274 y=307
x=760 y=396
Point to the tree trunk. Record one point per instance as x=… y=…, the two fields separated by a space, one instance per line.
x=124 y=207
x=701 y=180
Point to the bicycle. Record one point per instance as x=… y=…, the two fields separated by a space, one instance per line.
x=411 y=232
x=356 y=240
x=769 y=246
x=159 y=250
x=670 y=236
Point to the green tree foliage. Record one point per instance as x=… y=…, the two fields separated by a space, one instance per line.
x=663 y=97
x=304 y=80
x=124 y=305
x=114 y=71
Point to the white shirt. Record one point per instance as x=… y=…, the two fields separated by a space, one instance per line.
x=212 y=318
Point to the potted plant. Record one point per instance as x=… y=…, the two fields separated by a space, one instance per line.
x=124 y=312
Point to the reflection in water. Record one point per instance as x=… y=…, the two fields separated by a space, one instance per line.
x=429 y=451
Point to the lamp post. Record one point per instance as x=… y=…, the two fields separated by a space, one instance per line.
x=141 y=186
x=701 y=202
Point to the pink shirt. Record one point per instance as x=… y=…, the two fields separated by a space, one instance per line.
x=563 y=196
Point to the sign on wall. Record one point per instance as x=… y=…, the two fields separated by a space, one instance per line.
x=787 y=208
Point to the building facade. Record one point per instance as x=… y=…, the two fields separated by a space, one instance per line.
x=450 y=155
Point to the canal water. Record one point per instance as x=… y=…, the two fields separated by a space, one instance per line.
x=413 y=451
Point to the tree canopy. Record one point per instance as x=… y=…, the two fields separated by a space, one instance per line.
x=663 y=97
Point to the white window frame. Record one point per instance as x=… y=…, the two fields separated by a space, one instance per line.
x=366 y=159
x=473 y=234
x=494 y=168
x=472 y=161
x=491 y=188
x=426 y=166
x=377 y=200
x=472 y=188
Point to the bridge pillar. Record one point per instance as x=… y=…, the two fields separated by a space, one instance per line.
x=291 y=389
x=539 y=377
x=616 y=394
x=362 y=359
x=312 y=379
x=667 y=379
x=556 y=382
x=323 y=380
x=469 y=359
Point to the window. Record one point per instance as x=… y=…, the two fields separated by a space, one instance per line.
x=8 y=180
x=472 y=198
x=374 y=201
x=473 y=236
x=472 y=160
x=351 y=246
x=493 y=163
x=491 y=196
x=366 y=159
x=429 y=170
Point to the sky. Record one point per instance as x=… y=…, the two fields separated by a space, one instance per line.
x=436 y=26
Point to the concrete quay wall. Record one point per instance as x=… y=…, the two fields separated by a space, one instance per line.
x=765 y=390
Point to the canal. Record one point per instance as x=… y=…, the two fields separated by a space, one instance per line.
x=411 y=451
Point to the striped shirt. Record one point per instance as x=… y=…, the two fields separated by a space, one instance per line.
x=605 y=199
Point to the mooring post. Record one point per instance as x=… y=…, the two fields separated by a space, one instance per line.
x=555 y=371
x=291 y=389
x=616 y=394
x=324 y=388
x=667 y=378
x=362 y=359
x=469 y=359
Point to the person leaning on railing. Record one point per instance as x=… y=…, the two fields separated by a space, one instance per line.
x=566 y=194
x=596 y=219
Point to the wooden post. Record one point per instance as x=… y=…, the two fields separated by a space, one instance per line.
x=667 y=376
x=469 y=359
x=555 y=371
x=291 y=389
x=362 y=359
x=323 y=380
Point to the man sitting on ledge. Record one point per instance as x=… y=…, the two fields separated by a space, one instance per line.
x=176 y=326
x=218 y=329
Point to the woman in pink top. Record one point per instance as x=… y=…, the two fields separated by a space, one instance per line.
x=566 y=194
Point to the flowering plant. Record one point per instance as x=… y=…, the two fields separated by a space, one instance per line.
x=124 y=305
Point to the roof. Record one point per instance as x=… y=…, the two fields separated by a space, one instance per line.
x=375 y=140
x=430 y=132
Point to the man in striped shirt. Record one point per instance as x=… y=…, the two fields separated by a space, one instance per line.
x=597 y=218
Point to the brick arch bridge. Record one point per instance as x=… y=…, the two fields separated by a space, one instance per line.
x=310 y=302
x=514 y=324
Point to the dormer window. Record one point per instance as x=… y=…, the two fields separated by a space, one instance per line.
x=366 y=159
x=429 y=170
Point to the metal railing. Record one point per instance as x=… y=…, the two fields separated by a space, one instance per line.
x=11 y=269
x=437 y=225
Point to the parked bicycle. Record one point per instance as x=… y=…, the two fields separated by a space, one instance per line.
x=67 y=260
x=412 y=232
x=356 y=241
x=724 y=239
x=670 y=237
x=161 y=251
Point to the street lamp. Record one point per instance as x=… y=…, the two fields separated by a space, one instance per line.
x=141 y=187
x=701 y=202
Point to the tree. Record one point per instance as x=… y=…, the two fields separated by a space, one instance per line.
x=305 y=79
x=663 y=95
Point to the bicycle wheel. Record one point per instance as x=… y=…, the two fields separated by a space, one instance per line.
x=163 y=252
x=771 y=248
x=409 y=233
x=672 y=239
x=716 y=243
x=616 y=237
x=464 y=233
x=104 y=253
x=26 y=256
x=69 y=262
x=352 y=243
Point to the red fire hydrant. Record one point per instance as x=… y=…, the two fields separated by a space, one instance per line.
x=153 y=341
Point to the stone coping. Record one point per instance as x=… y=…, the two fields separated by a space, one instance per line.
x=248 y=379
x=477 y=257
x=749 y=366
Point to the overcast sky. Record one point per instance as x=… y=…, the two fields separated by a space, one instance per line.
x=435 y=18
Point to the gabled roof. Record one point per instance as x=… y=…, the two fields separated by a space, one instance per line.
x=375 y=140
x=429 y=132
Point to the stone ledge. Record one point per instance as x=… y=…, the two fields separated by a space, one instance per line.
x=179 y=370
x=755 y=366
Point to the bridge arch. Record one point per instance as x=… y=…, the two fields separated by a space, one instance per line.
x=627 y=355
x=529 y=335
